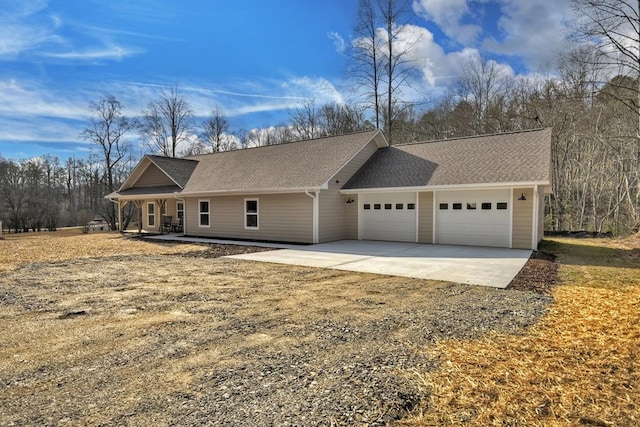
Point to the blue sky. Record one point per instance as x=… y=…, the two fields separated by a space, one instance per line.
x=256 y=59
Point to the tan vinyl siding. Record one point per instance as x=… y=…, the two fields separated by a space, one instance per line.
x=153 y=177
x=333 y=211
x=333 y=206
x=425 y=217
x=170 y=209
x=282 y=217
x=351 y=219
x=522 y=218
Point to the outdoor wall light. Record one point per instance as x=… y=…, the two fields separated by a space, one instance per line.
x=522 y=197
x=350 y=200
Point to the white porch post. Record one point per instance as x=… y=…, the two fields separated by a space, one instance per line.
x=511 y=218
x=535 y=216
x=315 y=214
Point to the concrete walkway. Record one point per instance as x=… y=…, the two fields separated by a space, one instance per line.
x=494 y=267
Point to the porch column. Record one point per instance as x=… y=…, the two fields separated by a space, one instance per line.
x=121 y=206
x=139 y=204
x=161 y=208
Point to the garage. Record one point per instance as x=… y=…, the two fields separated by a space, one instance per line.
x=388 y=216
x=478 y=218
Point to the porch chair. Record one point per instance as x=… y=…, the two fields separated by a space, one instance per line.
x=166 y=223
x=179 y=227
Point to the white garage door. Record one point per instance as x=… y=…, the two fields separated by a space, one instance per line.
x=478 y=218
x=388 y=216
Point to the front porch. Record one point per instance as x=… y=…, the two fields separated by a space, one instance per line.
x=154 y=216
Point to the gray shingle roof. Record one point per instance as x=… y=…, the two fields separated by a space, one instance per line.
x=500 y=158
x=304 y=164
x=179 y=170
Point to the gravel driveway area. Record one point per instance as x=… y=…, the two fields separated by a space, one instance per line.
x=194 y=339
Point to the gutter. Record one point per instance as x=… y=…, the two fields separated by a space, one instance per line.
x=250 y=191
x=496 y=186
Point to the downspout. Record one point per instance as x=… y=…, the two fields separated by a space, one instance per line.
x=316 y=212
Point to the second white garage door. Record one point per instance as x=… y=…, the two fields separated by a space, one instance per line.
x=477 y=218
x=388 y=216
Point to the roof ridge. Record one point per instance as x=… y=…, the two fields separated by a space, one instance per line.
x=473 y=136
x=193 y=157
x=170 y=158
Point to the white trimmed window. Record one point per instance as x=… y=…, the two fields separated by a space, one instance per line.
x=204 y=214
x=151 y=214
x=180 y=210
x=251 y=213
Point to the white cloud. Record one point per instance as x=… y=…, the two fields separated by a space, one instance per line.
x=112 y=52
x=45 y=130
x=317 y=88
x=436 y=67
x=533 y=30
x=236 y=98
x=33 y=112
x=338 y=41
x=28 y=27
x=32 y=100
x=449 y=16
x=432 y=69
x=25 y=26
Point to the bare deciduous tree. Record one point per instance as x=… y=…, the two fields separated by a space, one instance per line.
x=396 y=59
x=367 y=57
x=485 y=86
x=305 y=121
x=338 y=119
x=381 y=57
x=215 y=132
x=613 y=26
x=108 y=126
x=13 y=194
x=167 y=122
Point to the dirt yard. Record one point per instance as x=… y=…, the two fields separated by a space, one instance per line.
x=102 y=330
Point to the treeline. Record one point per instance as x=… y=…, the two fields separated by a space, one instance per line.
x=591 y=100
x=45 y=193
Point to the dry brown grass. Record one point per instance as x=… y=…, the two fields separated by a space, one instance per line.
x=16 y=249
x=578 y=366
x=151 y=330
x=114 y=332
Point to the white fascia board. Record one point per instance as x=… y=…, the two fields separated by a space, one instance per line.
x=142 y=166
x=250 y=191
x=150 y=196
x=444 y=187
x=380 y=141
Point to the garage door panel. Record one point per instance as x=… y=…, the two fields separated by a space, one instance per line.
x=395 y=224
x=476 y=227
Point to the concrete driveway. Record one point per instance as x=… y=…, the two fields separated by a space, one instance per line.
x=462 y=264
